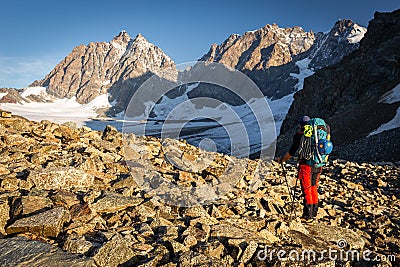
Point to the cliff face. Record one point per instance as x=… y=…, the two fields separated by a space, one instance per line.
x=89 y=71
x=350 y=94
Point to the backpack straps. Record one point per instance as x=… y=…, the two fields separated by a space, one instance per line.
x=316 y=143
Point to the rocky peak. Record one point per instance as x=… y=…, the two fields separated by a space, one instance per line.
x=348 y=30
x=266 y=55
x=140 y=38
x=341 y=40
x=92 y=70
x=253 y=50
x=122 y=37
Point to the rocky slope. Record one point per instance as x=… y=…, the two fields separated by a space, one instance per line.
x=269 y=55
x=100 y=67
x=11 y=95
x=80 y=191
x=351 y=96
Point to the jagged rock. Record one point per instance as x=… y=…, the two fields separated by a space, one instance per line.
x=33 y=204
x=77 y=245
x=265 y=233
x=61 y=178
x=145 y=230
x=252 y=225
x=20 y=251
x=12 y=95
x=10 y=184
x=190 y=241
x=48 y=223
x=128 y=184
x=309 y=242
x=98 y=68
x=82 y=226
x=64 y=198
x=4 y=170
x=109 y=133
x=114 y=252
x=296 y=225
x=114 y=203
x=249 y=252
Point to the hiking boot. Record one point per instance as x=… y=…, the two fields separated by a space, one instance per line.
x=307 y=211
x=314 y=210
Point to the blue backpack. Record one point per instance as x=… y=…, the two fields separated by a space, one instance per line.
x=315 y=144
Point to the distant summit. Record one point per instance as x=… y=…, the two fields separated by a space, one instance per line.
x=95 y=69
x=341 y=40
x=274 y=58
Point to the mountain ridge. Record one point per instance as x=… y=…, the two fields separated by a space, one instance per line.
x=89 y=71
x=269 y=55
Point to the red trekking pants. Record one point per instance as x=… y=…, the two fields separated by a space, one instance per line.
x=308 y=177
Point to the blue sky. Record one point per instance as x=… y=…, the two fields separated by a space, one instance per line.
x=37 y=34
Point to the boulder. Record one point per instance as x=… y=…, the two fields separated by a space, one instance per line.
x=20 y=251
x=114 y=253
x=77 y=244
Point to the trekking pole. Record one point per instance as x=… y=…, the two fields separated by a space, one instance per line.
x=287 y=183
x=294 y=198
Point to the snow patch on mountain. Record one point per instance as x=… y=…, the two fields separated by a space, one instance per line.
x=3 y=95
x=390 y=97
x=59 y=110
x=393 y=124
x=356 y=34
x=304 y=72
x=37 y=91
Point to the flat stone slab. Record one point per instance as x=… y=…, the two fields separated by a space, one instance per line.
x=61 y=178
x=20 y=251
x=48 y=223
x=115 y=202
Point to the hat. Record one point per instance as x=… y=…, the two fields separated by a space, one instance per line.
x=303 y=120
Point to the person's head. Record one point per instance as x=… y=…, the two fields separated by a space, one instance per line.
x=303 y=120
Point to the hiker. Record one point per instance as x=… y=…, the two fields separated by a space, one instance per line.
x=308 y=171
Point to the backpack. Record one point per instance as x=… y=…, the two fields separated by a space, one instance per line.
x=315 y=144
